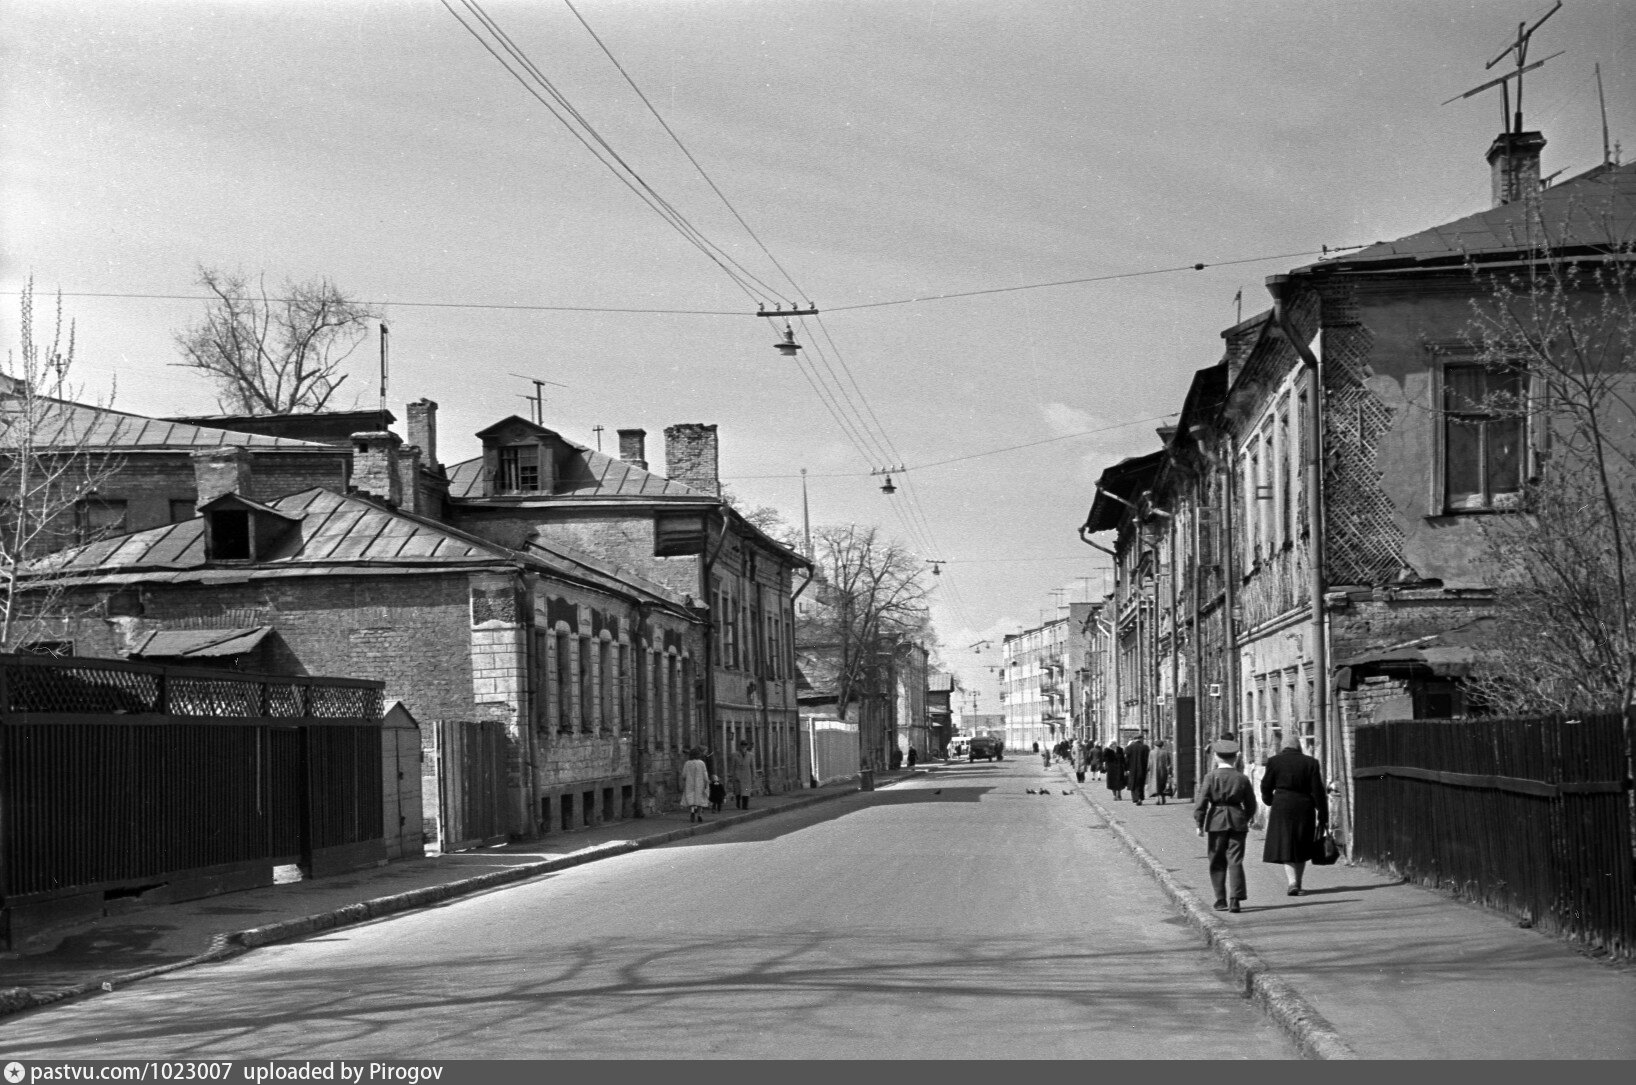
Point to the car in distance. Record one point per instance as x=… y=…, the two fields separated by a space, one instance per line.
x=987 y=747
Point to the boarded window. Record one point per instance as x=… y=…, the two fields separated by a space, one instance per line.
x=520 y=469
x=1483 y=429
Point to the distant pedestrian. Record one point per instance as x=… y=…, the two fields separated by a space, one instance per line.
x=1297 y=809
x=1080 y=760
x=1036 y=747
x=718 y=793
x=695 y=786
x=1223 y=810
x=1094 y=760
x=895 y=759
x=912 y=758
x=1113 y=763
x=1046 y=756
x=1162 y=763
x=743 y=775
x=1136 y=767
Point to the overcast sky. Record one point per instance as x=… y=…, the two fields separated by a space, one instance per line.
x=880 y=150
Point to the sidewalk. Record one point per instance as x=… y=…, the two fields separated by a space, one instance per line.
x=119 y=949
x=1364 y=966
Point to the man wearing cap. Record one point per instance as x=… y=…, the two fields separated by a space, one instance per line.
x=1223 y=810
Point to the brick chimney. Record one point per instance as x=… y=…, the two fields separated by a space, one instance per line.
x=375 y=466
x=633 y=447
x=690 y=456
x=1513 y=162
x=423 y=430
x=221 y=470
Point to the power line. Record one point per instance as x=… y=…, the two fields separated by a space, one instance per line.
x=425 y=304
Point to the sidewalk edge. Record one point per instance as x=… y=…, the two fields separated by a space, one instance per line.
x=1310 y=1030
x=231 y=944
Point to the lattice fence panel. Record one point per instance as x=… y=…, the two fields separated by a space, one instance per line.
x=81 y=690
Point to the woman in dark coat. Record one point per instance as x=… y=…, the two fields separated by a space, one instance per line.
x=1297 y=809
x=1113 y=763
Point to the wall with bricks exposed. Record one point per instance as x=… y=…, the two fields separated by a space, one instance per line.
x=149 y=481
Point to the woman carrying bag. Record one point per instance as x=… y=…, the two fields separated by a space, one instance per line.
x=1297 y=810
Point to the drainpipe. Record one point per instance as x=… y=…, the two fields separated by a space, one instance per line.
x=1279 y=287
x=707 y=564
x=639 y=725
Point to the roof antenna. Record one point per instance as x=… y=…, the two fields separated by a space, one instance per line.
x=1607 y=155
x=537 y=400
x=1509 y=121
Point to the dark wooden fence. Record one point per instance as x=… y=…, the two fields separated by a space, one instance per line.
x=472 y=783
x=1529 y=816
x=116 y=777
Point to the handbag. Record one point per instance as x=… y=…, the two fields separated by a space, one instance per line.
x=1327 y=851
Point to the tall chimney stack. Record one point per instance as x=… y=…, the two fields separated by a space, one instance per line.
x=633 y=447
x=690 y=456
x=221 y=470
x=375 y=466
x=423 y=430
x=1513 y=162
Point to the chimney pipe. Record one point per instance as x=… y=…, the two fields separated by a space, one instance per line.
x=690 y=456
x=1513 y=162
x=221 y=470
x=633 y=447
x=423 y=430
x=375 y=466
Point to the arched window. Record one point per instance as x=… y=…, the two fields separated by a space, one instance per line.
x=564 y=680
x=605 y=685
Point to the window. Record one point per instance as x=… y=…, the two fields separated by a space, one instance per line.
x=583 y=665
x=1482 y=437
x=95 y=518
x=519 y=469
x=605 y=684
x=181 y=509
x=565 y=685
x=230 y=535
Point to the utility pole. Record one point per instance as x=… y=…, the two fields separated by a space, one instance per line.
x=806 y=515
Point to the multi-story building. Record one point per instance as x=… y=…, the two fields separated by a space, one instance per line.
x=1034 y=686
x=1306 y=552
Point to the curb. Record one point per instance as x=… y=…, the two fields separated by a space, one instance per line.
x=227 y=945
x=1310 y=1030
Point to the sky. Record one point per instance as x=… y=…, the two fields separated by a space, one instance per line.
x=880 y=151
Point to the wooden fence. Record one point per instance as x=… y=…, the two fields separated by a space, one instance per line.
x=119 y=778
x=1529 y=816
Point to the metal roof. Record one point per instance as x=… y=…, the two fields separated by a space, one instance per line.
x=1595 y=210
x=1126 y=479
x=199 y=643
x=81 y=425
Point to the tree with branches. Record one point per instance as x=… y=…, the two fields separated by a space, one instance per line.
x=273 y=355
x=869 y=596
x=51 y=471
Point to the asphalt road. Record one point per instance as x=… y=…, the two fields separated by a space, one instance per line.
x=951 y=916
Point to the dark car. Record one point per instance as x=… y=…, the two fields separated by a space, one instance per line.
x=987 y=747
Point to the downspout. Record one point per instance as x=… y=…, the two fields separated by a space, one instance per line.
x=639 y=725
x=1175 y=641
x=1113 y=635
x=1279 y=287
x=707 y=565
x=1229 y=599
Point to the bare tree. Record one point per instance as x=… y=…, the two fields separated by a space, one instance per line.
x=274 y=355
x=869 y=595
x=1560 y=330
x=51 y=470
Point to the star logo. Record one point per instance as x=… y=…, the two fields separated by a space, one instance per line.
x=15 y=1072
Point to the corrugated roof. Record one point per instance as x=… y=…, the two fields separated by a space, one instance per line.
x=84 y=425
x=1593 y=210
x=200 y=643
x=585 y=474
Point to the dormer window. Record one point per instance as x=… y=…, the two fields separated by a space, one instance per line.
x=519 y=469
x=230 y=535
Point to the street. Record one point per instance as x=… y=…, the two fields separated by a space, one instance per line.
x=950 y=916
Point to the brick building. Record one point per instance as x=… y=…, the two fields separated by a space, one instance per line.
x=550 y=688
x=1305 y=553
x=532 y=490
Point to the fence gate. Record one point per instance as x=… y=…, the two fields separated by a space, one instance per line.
x=472 y=790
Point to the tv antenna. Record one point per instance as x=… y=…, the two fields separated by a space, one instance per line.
x=1509 y=121
x=538 y=398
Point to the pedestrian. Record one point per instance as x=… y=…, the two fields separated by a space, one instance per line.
x=1297 y=809
x=743 y=775
x=695 y=786
x=895 y=758
x=1113 y=763
x=1036 y=747
x=1163 y=760
x=912 y=757
x=1079 y=760
x=1136 y=755
x=1223 y=810
x=1095 y=763
x=718 y=793
x=1046 y=755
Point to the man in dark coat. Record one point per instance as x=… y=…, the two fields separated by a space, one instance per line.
x=1223 y=810
x=1297 y=809
x=1136 y=767
x=1162 y=762
x=1113 y=762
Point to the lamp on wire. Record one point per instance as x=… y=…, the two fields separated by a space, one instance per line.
x=887 y=487
x=788 y=346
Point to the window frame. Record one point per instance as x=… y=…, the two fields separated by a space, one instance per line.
x=1462 y=355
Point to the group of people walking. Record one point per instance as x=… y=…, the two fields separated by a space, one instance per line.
x=701 y=789
x=1292 y=788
